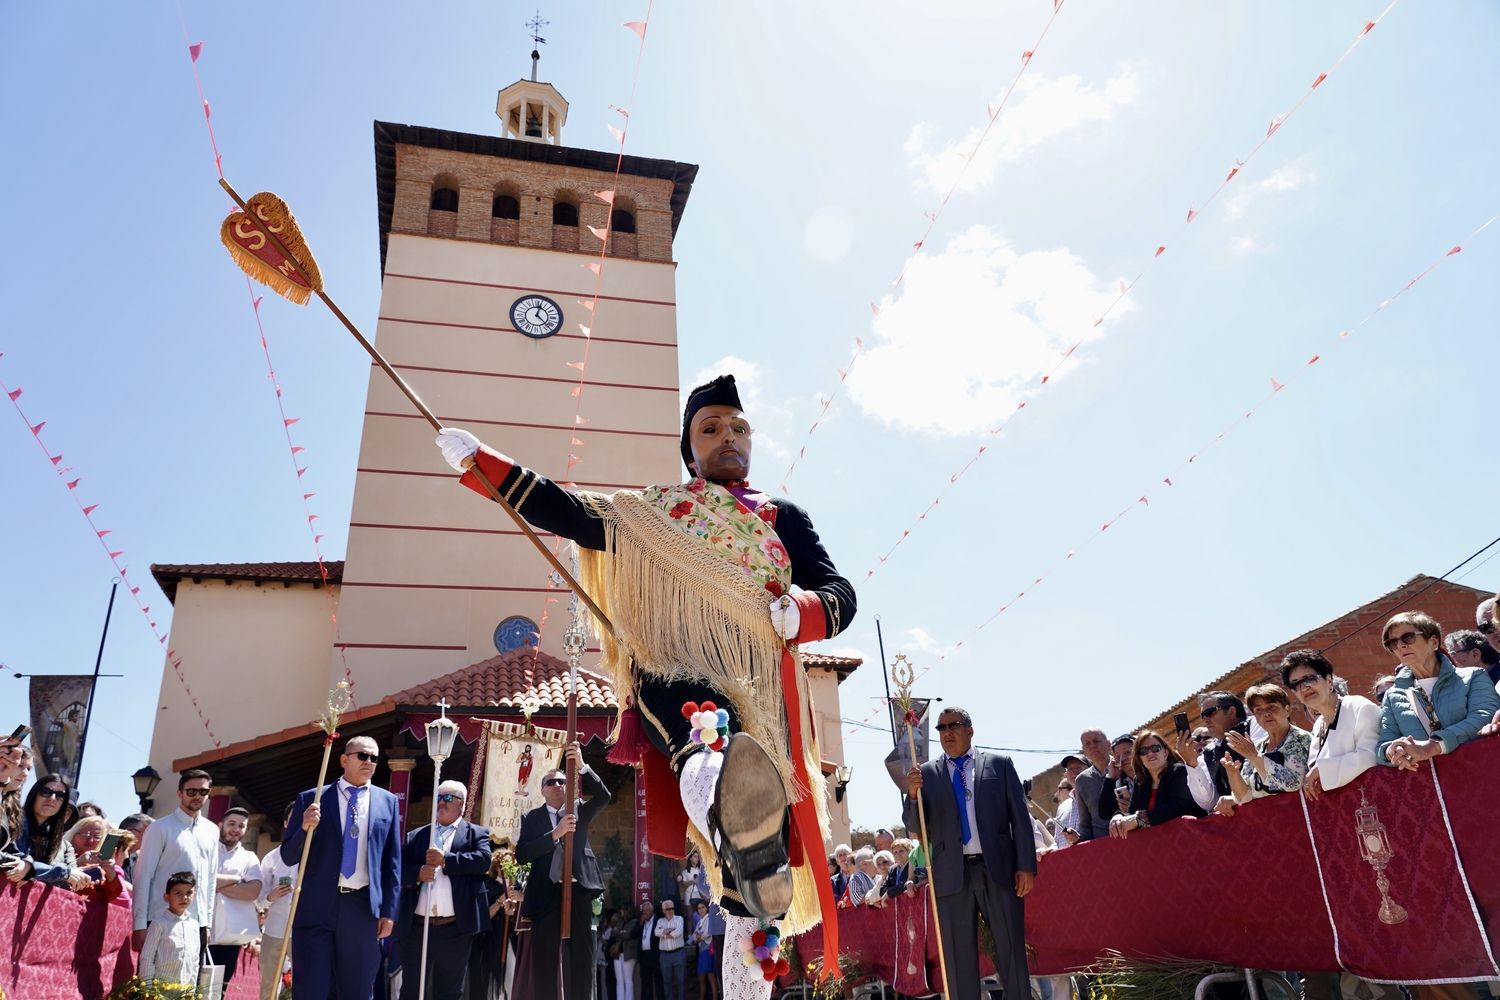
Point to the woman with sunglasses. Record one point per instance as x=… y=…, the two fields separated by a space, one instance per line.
x=46 y=815
x=1434 y=707
x=1347 y=727
x=1161 y=787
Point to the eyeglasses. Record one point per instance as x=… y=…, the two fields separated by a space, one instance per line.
x=51 y=793
x=1209 y=713
x=1303 y=681
x=195 y=792
x=1200 y=739
x=368 y=758
x=1153 y=749
x=1404 y=639
x=1064 y=788
x=450 y=797
x=553 y=782
x=943 y=727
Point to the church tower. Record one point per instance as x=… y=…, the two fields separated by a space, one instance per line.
x=489 y=246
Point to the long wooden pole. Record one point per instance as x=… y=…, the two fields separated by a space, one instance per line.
x=291 y=913
x=574 y=642
x=902 y=674
x=422 y=408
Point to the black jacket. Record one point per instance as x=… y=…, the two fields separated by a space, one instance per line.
x=466 y=863
x=536 y=847
x=1175 y=798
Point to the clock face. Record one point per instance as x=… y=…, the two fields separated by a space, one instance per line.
x=536 y=316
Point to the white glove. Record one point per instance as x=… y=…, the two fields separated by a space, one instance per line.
x=786 y=617
x=457 y=446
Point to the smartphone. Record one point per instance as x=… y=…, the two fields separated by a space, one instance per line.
x=109 y=846
x=22 y=731
x=1180 y=722
x=285 y=880
x=94 y=872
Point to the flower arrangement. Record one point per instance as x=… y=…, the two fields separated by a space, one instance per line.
x=137 y=988
x=848 y=971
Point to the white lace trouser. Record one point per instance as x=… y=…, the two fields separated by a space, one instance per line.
x=699 y=778
x=742 y=982
x=624 y=978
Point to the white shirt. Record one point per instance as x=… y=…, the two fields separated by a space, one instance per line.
x=176 y=843
x=972 y=847
x=234 y=919
x=171 y=952
x=1064 y=818
x=273 y=872
x=669 y=933
x=1201 y=784
x=436 y=897
x=647 y=932
x=361 y=876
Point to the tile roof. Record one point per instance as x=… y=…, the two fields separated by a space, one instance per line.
x=842 y=665
x=507 y=679
x=169 y=575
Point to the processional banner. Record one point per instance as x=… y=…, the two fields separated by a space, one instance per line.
x=59 y=718
x=515 y=758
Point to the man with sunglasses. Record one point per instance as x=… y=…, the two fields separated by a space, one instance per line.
x=184 y=841
x=539 y=844
x=442 y=874
x=1472 y=648
x=352 y=883
x=1484 y=621
x=1223 y=713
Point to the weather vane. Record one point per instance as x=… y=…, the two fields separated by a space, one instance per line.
x=536 y=24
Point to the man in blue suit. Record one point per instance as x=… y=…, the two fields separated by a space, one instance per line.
x=442 y=874
x=982 y=855
x=352 y=882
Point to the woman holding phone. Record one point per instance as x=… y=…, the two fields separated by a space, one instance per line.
x=1161 y=790
x=96 y=848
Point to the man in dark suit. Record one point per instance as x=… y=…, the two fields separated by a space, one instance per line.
x=539 y=844
x=982 y=856
x=442 y=873
x=352 y=881
x=649 y=960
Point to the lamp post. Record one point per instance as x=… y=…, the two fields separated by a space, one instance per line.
x=145 y=781
x=841 y=776
x=441 y=732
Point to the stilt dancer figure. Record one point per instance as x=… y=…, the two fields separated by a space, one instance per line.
x=697 y=580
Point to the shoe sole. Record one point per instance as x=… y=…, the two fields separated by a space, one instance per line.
x=752 y=813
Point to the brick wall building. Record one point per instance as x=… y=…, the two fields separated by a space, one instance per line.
x=1352 y=642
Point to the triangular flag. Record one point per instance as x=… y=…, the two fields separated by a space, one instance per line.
x=207 y=111
x=1275 y=124
x=290 y=420
x=1232 y=172
x=38 y=428
x=74 y=484
x=619 y=136
x=1366 y=29
x=608 y=197
x=874 y=309
x=580 y=419
x=14 y=395
x=1144 y=501
x=1192 y=213
x=116 y=555
x=195 y=50
x=1314 y=359
x=639 y=27
x=596 y=267
x=1160 y=251
x=56 y=459
x=1320 y=79
x=575 y=442
x=587 y=304
x=311 y=518
x=576 y=364
x=90 y=509
x=1168 y=480
x=106 y=531
x=1455 y=250
x=575 y=391
x=1275 y=385
x=586 y=331
x=296 y=448
x=300 y=471
x=317 y=539
x=308 y=496
x=601 y=235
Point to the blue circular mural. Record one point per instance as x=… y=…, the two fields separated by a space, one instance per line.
x=516 y=632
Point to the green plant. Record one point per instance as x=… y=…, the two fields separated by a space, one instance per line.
x=848 y=971
x=137 y=988
x=1116 y=977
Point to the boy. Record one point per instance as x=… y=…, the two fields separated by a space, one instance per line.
x=171 y=951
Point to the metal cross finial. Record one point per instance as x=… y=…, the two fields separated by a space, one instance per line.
x=536 y=24
x=443 y=706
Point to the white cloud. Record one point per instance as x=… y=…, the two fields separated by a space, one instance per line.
x=1244 y=246
x=1039 y=110
x=768 y=416
x=974 y=329
x=1294 y=176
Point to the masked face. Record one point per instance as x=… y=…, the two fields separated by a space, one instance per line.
x=719 y=437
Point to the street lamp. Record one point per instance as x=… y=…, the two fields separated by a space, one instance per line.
x=145 y=780
x=841 y=776
x=441 y=733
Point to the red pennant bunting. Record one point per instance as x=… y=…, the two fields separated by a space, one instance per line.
x=56 y=459
x=308 y=496
x=207 y=111
x=37 y=429
x=602 y=235
x=639 y=27
x=1168 y=481
x=1455 y=250
x=316 y=540
x=608 y=197
x=14 y=395
x=587 y=331
x=1160 y=251
x=73 y=484
x=1369 y=25
x=596 y=267
x=580 y=419
x=290 y=420
x=297 y=448
x=195 y=50
x=1319 y=80
x=106 y=531
x=619 y=136
x=576 y=390
x=587 y=304
x=311 y=518
x=1313 y=360
x=90 y=509
x=116 y=555
x=575 y=442
x=301 y=471
x=1277 y=386
x=1192 y=214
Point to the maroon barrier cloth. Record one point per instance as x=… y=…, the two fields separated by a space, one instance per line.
x=1245 y=890
x=895 y=941
x=54 y=945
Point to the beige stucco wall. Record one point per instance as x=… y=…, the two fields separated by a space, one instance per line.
x=255 y=657
x=823 y=687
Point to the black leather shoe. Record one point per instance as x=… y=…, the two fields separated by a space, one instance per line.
x=748 y=823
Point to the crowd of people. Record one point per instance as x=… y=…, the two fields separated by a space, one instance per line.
x=198 y=894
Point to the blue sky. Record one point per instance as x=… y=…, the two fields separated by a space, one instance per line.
x=824 y=132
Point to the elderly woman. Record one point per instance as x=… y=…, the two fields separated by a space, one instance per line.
x=1272 y=765
x=1434 y=707
x=85 y=837
x=1161 y=790
x=1347 y=729
x=862 y=882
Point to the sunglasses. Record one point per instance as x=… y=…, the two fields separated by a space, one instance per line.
x=1154 y=749
x=1200 y=739
x=1303 y=681
x=368 y=758
x=1209 y=713
x=943 y=727
x=1488 y=628
x=449 y=797
x=51 y=793
x=553 y=782
x=195 y=792
x=1404 y=639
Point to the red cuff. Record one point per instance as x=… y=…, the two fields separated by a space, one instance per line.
x=495 y=467
x=814 y=624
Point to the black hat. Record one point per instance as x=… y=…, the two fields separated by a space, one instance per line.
x=1073 y=757
x=720 y=392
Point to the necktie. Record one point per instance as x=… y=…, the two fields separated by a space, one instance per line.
x=960 y=793
x=351 y=834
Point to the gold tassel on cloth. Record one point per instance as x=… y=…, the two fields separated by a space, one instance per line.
x=258 y=257
x=682 y=612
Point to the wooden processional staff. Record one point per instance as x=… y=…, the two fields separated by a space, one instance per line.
x=903 y=677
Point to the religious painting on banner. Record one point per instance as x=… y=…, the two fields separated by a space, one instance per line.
x=898 y=761
x=59 y=716
x=516 y=757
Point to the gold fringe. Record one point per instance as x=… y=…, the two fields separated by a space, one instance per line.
x=274 y=214
x=682 y=613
